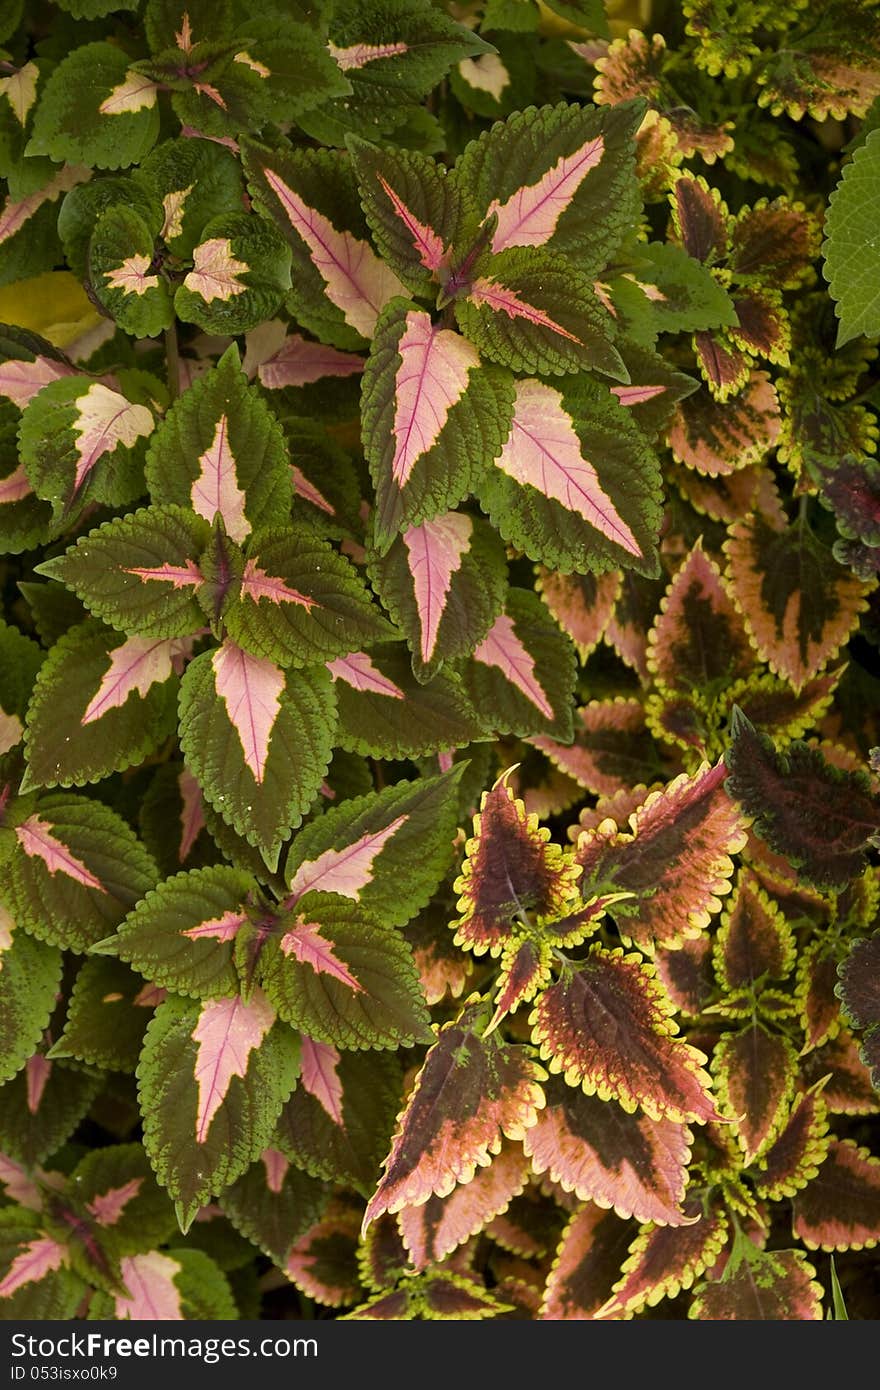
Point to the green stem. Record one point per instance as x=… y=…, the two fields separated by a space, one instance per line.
x=172 y=361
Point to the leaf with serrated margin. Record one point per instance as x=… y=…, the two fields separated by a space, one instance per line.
x=339 y=1121
x=212 y=1080
x=342 y=977
x=840 y=1208
x=817 y=1002
x=754 y=938
x=118 y=1197
x=698 y=640
x=221 y=450
x=194 y=180
x=653 y=389
x=107 y=1016
x=84 y=206
x=558 y=176
x=521 y=676
x=593 y=1247
x=385 y=712
x=799 y=605
x=777 y=1287
x=848 y=1089
x=340 y=286
x=663 y=1260
x=386 y=851
x=240 y=274
x=576 y=485
x=30 y=976
x=608 y=1027
x=755 y=1072
x=686 y=974
x=42 y=1105
x=273 y=1204
x=443 y=582
x=470 y=1092
x=102 y=702
x=433 y=417
x=180 y=935
x=257 y=739
x=299 y=601
x=73 y=870
x=606 y=1155
x=717 y=438
x=95 y=110
x=612 y=746
x=183 y=1284
x=323 y=1262
x=851 y=487
x=858 y=990
x=793 y=1159
x=124 y=275
x=822 y=818
x=581 y=604
x=683 y=296
x=20 y=662
x=773 y=707
x=34 y=1280
x=511 y=868
x=433 y=1229
x=139 y=572
x=852 y=265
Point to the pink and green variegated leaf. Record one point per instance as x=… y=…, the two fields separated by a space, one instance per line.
x=443 y=970
x=716 y=438
x=114 y=1189
x=531 y=311
x=96 y=110
x=30 y=977
x=340 y=286
x=240 y=274
x=820 y=817
x=339 y=1121
x=323 y=1262
x=634 y=613
x=299 y=601
x=799 y=605
x=163 y=1286
x=288 y=361
x=80 y=440
x=663 y=1260
x=257 y=739
x=557 y=176
x=28 y=363
x=848 y=1089
x=606 y=1155
x=181 y=934
x=433 y=418
x=385 y=712
x=444 y=583
x=127 y=284
x=576 y=484
x=793 y=1159
x=817 y=998
x=433 y=1229
x=586 y=1266
x=840 y=1208
x=525 y=968
x=755 y=1073
x=107 y=1016
x=139 y=572
x=385 y=851
x=770 y=703
x=858 y=990
x=220 y=452
x=612 y=747
x=686 y=974
x=172 y=821
x=75 y=868
x=698 y=640
x=41 y=1107
x=35 y=1281
x=754 y=939
x=521 y=676
x=101 y=702
x=653 y=390
x=777 y=1287
x=343 y=978
x=511 y=867
x=582 y=604
x=470 y=1092
x=675 y=859
x=212 y=1079
x=273 y=1204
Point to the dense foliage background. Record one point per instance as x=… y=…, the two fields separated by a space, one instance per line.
x=439 y=538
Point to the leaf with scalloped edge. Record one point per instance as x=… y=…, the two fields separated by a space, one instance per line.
x=607 y=1155
x=754 y=939
x=858 y=989
x=525 y=968
x=35 y=1282
x=96 y=110
x=840 y=1208
x=258 y=739
x=576 y=484
x=817 y=1000
x=511 y=868
x=763 y=329
x=273 y=1204
x=717 y=438
x=240 y=274
x=686 y=974
x=634 y=613
x=678 y=293
x=793 y=1159
x=822 y=818
x=444 y=583
x=220 y=451
x=698 y=640
x=799 y=605
x=850 y=486
x=212 y=1080
x=521 y=676
x=431 y=1230
x=30 y=977
x=433 y=418
x=582 y=604
x=42 y=1105
x=588 y=1260
x=122 y=270
x=443 y=970
x=663 y=1260
x=653 y=390
x=830 y=71
x=20 y=662
x=343 y=978
x=72 y=870
x=113 y=1192
x=339 y=1121
x=385 y=712
x=755 y=1072
x=195 y=181
x=770 y=703
x=29 y=241
x=674 y=859
x=775 y=1287
x=607 y=1026
x=323 y=1262
x=612 y=747
x=445 y=1134
x=107 y=1015
x=848 y=1089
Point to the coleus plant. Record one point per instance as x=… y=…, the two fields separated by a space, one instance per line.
x=438 y=670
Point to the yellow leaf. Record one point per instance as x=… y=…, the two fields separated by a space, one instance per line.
x=55 y=305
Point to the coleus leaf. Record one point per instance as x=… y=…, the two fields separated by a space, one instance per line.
x=755 y=1073
x=817 y=1001
x=754 y=939
x=720 y=437
x=28 y=236
x=799 y=605
x=35 y=1280
x=772 y=706
x=21 y=662
x=637 y=1060
x=323 y=1262
x=511 y=868
x=95 y=110
x=851 y=487
x=698 y=640
x=116 y=1192
x=220 y=451
x=793 y=1159
x=442 y=1141
x=575 y=484
x=612 y=746
x=340 y=286
x=521 y=676
x=686 y=974
x=101 y=703
x=682 y=294
x=859 y=993
x=820 y=817
x=653 y=389
x=73 y=870
x=606 y=1155
x=830 y=73
x=561 y=177
x=385 y=712
x=343 y=978
x=107 y=1016
x=42 y=1105
x=241 y=272
x=122 y=270
x=850 y=260
x=212 y=1080
x=195 y=181
x=30 y=976
x=443 y=582
x=273 y=1204
x=587 y=1263
x=257 y=738
x=663 y=1260
x=433 y=416
x=581 y=604
x=848 y=1089
x=777 y=1287
x=433 y=1229
x=84 y=206
x=840 y=1208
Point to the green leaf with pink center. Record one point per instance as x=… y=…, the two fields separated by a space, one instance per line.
x=274 y=1204
x=385 y=712
x=124 y=269
x=239 y=276
x=30 y=976
x=521 y=676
